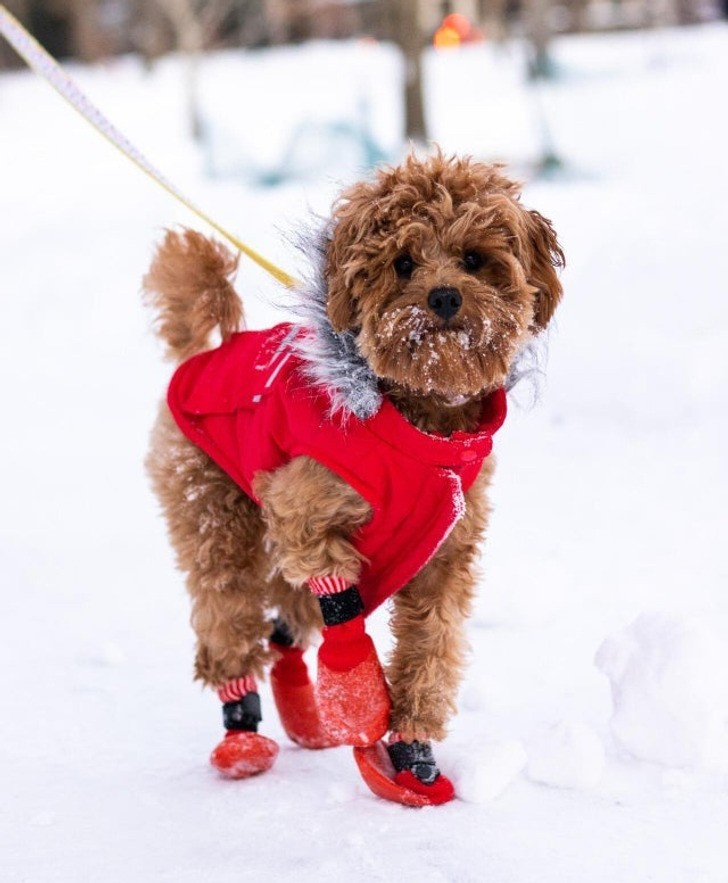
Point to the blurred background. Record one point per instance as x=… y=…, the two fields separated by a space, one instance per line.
x=99 y=31
x=609 y=499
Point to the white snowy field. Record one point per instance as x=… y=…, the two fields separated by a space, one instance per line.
x=608 y=537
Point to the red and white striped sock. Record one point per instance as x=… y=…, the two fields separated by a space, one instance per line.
x=237 y=688
x=328 y=585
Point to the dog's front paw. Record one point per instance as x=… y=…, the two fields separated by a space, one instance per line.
x=416 y=770
x=404 y=773
x=351 y=690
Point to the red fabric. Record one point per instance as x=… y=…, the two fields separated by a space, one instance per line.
x=295 y=701
x=237 y=689
x=328 y=585
x=248 y=405
x=377 y=771
x=439 y=792
x=299 y=715
x=345 y=645
x=242 y=754
x=353 y=703
x=290 y=667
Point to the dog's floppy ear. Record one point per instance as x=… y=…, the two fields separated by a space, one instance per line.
x=341 y=302
x=544 y=257
x=348 y=254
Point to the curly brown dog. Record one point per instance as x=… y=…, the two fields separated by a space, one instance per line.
x=312 y=471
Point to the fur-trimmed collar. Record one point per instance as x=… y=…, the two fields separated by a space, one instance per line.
x=332 y=359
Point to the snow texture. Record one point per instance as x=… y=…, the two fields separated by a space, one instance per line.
x=609 y=498
x=567 y=755
x=669 y=679
x=481 y=773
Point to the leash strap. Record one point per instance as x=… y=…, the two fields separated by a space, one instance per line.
x=36 y=57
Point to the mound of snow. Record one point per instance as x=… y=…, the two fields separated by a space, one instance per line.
x=567 y=755
x=669 y=678
x=482 y=772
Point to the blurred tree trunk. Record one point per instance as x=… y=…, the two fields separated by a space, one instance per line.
x=195 y=25
x=404 y=25
x=278 y=19
x=491 y=17
x=88 y=39
x=539 y=31
x=537 y=15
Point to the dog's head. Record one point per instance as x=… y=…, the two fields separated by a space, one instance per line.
x=441 y=274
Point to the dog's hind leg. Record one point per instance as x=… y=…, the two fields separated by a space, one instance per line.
x=217 y=533
x=293 y=692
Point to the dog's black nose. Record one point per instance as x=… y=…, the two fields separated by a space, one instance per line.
x=445 y=302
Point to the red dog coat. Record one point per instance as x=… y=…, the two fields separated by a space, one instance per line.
x=248 y=405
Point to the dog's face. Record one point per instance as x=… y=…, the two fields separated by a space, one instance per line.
x=442 y=274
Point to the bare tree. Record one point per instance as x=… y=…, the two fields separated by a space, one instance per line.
x=537 y=21
x=195 y=26
x=404 y=25
x=8 y=56
x=492 y=18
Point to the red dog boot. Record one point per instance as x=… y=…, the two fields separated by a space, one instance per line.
x=351 y=691
x=243 y=752
x=293 y=693
x=416 y=770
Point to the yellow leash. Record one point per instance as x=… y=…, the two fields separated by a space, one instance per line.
x=36 y=57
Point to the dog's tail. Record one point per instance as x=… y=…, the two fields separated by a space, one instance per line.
x=189 y=286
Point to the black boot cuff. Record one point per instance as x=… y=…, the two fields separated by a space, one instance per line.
x=341 y=607
x=417 y=757
x=243 y=714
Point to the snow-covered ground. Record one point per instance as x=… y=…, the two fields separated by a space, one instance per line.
x=608 y=538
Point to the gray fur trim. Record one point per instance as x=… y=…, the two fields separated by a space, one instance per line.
x=332 y=360
x=528 y=372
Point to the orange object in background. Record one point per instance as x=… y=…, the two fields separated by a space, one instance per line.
x=455 y=30
x=446 y=38
x=460 y=24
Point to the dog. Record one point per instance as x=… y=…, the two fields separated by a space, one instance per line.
x=310 y=472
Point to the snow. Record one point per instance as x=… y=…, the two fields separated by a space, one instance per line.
x=482 y=771
x=669 y=679
x=609 y=498
x=568 y=754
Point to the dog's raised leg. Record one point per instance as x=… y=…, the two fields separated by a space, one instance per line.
x=351 y=688
x=311 y=515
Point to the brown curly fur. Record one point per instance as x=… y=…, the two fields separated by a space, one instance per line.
x=437 y=211
x=435 y=371
x=189 y=287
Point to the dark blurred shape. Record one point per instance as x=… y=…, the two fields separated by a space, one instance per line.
x=94 y=29
x=52 y=28
x=404 y=25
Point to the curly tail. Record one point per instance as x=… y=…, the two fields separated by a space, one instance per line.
x=189 y=286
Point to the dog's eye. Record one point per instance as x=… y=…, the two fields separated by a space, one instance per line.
x=473 y=261
x=403 y=266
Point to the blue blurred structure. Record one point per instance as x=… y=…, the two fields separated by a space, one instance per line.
x=313 y=149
